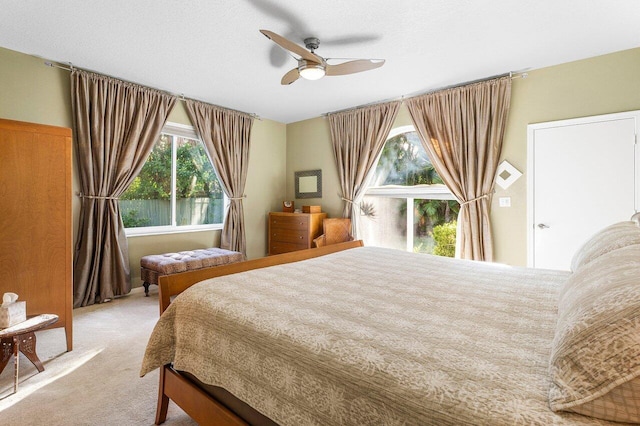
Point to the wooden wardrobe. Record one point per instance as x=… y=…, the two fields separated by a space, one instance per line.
x=35 y=219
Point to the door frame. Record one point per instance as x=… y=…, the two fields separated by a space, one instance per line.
x=531 y=129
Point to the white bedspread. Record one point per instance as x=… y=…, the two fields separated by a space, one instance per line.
x=373 y=336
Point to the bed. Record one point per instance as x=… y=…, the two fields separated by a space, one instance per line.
x=357 y=335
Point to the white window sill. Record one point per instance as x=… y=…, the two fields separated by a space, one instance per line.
x=161 y=230
x=427 y=192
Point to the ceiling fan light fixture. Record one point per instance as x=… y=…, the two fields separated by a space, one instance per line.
x=312 y=66
x=311 y=71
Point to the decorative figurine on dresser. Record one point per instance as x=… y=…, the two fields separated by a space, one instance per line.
x=294 y=231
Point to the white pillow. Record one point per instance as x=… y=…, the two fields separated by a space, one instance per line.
x=612 y=237
x=595 y=357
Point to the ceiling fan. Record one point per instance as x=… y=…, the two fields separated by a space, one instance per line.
x=312 y=66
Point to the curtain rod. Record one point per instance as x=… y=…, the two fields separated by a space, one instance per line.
x=511 y=74
x=180 y=96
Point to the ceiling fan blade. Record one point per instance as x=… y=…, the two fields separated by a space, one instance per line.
x=290 y=77
x=291 y=46
x=352 y=67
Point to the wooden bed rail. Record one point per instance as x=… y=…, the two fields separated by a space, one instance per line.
x=200 y=406
x=171 y=285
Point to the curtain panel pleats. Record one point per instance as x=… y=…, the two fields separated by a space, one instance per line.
x=226 y=135
x=462 y=130
x=116 y=126
x=358 y=137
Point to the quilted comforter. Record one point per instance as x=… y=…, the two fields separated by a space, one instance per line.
x=373 y=336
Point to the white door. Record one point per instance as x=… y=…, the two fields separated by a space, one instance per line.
x=582 y=178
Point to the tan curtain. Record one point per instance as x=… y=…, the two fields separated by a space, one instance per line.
x=358 y=137
x=462 y=130
x=117 y=125
x=225 y=134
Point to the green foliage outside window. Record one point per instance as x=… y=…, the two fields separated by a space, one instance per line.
x=404 y=162
x=445 y=239
x=199 y=198
x=131 y=219
x=195 y=176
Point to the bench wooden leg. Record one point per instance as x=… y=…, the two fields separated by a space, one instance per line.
x=146 y=288
x=6 y=346
x=16 y=360
x=11 y=348
x=28 y=348
x=25 y=343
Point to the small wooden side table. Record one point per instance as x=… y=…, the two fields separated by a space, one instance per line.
x=21 y=338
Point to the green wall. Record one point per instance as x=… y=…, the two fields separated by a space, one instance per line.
x=600 y=85
x=30 y=91
x=33 y=92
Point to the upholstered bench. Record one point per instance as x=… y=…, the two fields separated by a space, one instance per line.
x=152 y=266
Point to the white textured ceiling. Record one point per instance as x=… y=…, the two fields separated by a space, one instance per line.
x=211 y=50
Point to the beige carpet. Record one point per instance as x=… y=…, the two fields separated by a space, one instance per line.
x=97 y=383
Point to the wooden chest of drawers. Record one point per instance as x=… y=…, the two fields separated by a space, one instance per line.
x=293 y=231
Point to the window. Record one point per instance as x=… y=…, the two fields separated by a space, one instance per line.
x=176 y=190
x=407 y=206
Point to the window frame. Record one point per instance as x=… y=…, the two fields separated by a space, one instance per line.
x=427 y=192
x=185 y=131
x=409 y=193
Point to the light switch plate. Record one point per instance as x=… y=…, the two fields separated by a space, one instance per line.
x=505 y=201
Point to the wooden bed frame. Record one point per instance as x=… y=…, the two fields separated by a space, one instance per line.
x=202 y=407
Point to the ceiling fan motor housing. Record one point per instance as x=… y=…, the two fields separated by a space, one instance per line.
x=312 y=43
